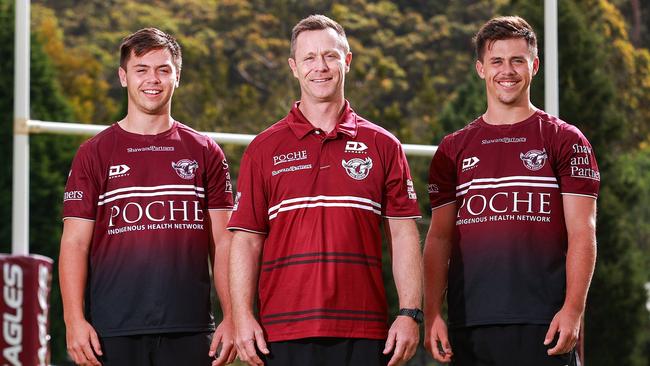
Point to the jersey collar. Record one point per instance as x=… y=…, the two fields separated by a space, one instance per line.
x=301 y=127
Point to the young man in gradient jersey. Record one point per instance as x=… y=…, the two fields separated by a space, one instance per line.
x=512 y=235
x=312 y=193
x=145 y=208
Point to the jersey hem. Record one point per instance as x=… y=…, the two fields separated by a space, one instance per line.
x=594 y=196
x=444 y=204
x=237 y=228
x=401 y=217
x=220 y=209
x=467 y=324
x=334 y=334
x=77 y=217
x=137 y=331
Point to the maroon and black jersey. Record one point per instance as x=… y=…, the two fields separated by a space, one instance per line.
x=508 y=262
x=149 y=197
x=319 y=199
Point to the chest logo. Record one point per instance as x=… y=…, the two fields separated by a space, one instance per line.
x=355 y=146
x=185 y=168
x=470 y=163
x=534 y=159
x=116 y=171
x=356 y=168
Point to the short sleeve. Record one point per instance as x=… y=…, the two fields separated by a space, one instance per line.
x=442 y=176
x=218 y=184
x=576 y=165
x=400 y=199
x=81 y=191
x=251 y=204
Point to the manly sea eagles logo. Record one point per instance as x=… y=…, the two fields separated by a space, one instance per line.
x=356 y=168
x=185 y=168
x=534 y=159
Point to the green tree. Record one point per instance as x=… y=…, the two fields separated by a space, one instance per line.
x=49 y=161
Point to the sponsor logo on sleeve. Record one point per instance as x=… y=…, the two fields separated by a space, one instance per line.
x=73 y=196
x=289 y=157
x=581 y=163
x=237 y=198
x=185 y=168
x=410 y=189
x=356 y=168
x=355 y=147
x=117 y=171
x=534 y=159
x=470 y=163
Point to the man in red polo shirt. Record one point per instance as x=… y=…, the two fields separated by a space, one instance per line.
x=512 y=237
x=313 y=191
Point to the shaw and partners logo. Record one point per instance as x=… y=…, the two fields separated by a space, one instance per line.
x=73 y=196
x=289 y=157
x=12 y=327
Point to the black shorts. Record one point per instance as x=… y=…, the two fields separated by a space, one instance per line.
x=327 y=352
x=167 y=349
x=505 y=345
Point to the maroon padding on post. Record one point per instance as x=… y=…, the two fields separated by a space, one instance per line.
x=25 y=307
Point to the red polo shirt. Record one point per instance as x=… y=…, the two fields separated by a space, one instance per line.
x=319 y=199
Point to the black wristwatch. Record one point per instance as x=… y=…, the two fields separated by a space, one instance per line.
x=415 y=314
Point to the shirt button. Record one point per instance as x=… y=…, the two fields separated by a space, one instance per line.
x=317 y=132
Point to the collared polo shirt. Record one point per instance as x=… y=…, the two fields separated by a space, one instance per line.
x=319 y=199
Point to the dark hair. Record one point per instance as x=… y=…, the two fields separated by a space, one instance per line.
x=317 y=22
x=506 y=27
x=149 y=39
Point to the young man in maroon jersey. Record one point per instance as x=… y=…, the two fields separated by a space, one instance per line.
x=146 y=205
x=312 y=192
x=512 y=236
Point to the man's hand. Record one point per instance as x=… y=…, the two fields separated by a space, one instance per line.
x=223 y=341
x=83 y=343
x=403 y=338
x=435 y=338
x=249 y=334
x=567 y=323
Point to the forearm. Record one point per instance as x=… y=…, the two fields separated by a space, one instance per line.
x=580 y=262
x=437 y=251
x=73 y=272
x=407 y=263
x=221 y=275
x=244 y=272
x=436 y=265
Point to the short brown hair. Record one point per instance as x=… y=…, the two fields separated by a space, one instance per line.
x=317 y=22
x=506 y=27
x=149 y=39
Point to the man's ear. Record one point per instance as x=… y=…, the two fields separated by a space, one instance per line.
x=293 y=66
x=479 y=69
x=122 y=74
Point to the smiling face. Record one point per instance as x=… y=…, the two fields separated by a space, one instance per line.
x=320 y=64
x=508 y=67
x=150 y=81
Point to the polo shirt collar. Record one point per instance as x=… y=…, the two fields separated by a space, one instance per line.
x=301 y=127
